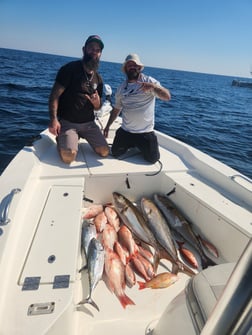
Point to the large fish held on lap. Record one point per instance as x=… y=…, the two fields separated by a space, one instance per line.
x=158 y=225
x=95 y=264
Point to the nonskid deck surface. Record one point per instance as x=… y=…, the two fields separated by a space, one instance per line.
x=89 y=163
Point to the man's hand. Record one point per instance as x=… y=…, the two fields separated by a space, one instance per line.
x=54 y=127
x=94 y=99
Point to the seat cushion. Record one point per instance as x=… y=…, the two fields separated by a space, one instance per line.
x=203 y=291
x=188 y=312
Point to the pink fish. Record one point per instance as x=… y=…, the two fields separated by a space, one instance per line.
x=139 y=268
x=126 y=239
x=209 y=247
x=109 y=237
x=92 y=211
x=162 y=280
x=112 y=217
x=130 y=276
x=121 y=252
x=188 y=255
x=147 y=265
x=100 y=221
x=115 y=277
x=145 y=251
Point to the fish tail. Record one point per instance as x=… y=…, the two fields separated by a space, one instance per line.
x=185 y=269
x=142 y=285
x=90 y=301
x=156 y=261
x=125 y=300
x=175 y=268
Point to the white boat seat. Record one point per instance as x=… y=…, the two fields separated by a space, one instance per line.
x=188 y=312
x=216 y=301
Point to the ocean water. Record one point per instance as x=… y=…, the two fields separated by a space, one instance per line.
x=205 y=111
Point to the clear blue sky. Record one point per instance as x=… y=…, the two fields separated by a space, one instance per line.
x=209 y=36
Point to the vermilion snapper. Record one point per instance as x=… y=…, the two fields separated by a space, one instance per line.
x=115 y=273
x=100 y=221
x=126 y=239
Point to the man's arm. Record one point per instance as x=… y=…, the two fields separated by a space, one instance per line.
x=113 y=115
x=160 y=91
x=54 y=125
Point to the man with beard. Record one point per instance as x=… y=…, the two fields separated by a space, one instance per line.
x=76 y=93
x=135 y=99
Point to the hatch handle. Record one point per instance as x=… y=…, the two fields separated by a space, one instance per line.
x=5 y=206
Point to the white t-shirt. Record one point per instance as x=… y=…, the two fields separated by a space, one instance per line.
x=137 y=107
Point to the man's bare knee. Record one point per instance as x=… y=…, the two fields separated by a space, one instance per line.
x=102 y=151
x=68 y=156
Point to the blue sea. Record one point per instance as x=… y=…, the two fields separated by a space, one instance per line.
x=205 y=111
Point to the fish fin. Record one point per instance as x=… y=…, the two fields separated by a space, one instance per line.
x=141 y=285
x=90 y=301
x=185 y=269
x=125 y=300
x=175 y=268
x=84 y=267
x=156 y=261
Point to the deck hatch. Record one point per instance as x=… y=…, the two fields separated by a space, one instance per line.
x=55 y=246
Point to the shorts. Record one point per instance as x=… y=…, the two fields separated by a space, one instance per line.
x=146 y=142
x=70 y=134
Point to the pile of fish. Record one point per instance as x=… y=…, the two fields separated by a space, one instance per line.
x=122 y=241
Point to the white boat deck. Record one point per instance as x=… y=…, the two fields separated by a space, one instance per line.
x=41 y=286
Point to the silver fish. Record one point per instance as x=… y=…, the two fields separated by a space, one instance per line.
x=158 y=225
x=95 y=262
x=177 y=222
x=133 y=218
x=87 y=233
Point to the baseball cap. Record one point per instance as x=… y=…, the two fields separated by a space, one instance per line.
x=95 y=38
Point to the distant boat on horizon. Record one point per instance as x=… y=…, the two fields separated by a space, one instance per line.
x=243 y=83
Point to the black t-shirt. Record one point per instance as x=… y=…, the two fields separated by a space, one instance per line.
x=73 y=105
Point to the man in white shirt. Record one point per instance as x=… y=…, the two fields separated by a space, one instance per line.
x=135 y=100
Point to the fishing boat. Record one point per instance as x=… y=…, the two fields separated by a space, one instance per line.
x=242 y=83
x=43 y=203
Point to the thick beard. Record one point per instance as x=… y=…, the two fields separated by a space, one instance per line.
x=132 y=74
x=91 y=64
